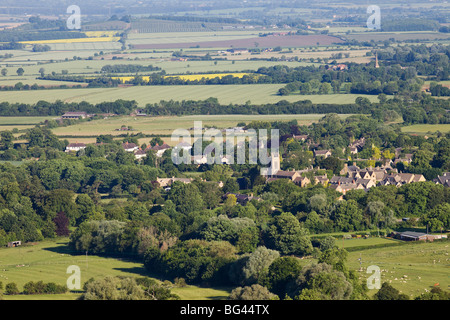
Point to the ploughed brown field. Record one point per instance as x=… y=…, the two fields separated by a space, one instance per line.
x=262 y=42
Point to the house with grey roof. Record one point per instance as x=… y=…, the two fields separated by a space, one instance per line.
x=444 y=179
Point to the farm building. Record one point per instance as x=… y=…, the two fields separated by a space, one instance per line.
x=418 y=236
x=74 y=115
x=75 y=147
x=12 y=244
x=130 y=147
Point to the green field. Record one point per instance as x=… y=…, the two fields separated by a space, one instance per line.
x=20 y=123
x=412 y=268
x=361 y=242
x=166 y=125
x=398 y=36
x=10 y=121
x=159 y=59
x=426 y=128
x=226 y=94
x=48 y=261
x=186 y=37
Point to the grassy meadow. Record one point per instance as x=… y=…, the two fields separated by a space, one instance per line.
x=426 y=128
x=48 y=261
x=11 y=121
x=166 y=125
x=412 y=268
x=226 y=94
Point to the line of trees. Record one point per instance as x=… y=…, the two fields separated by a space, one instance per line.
x=128 y=68
x=424 y=110
x=57 y=108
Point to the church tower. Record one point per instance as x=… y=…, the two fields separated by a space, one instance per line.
x=274 y=165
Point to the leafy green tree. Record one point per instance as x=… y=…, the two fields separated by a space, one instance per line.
x=97 y=236
x=438 y=218
x=388 y=292
x=113 y=288
x=156 y=141
x=374 y=210
x=282 y=187
x=210 y=192
x=20 y=71
x=318 y=202
x=224 y=228
x=314 y=223
x=230 y=185
x=122 y=157
x=435 y=294
x=253 y=292
x=442 y=157
x=325 y=88
x=155 y=291
x=61 y=200
x=7 y=140
x=85 y=206
x=281 y=274
x=331 y=163
x=286 y=235
x=11 y=288
x=327 y=243
x=257 y=265
x=196 y=260
x=320 y=281
x=335 y=257
x=422 y=159
x=347 y=216
x=186 y=197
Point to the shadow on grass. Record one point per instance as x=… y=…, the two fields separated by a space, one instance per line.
x=140 y=271
x=217 y=297
x=64 y=248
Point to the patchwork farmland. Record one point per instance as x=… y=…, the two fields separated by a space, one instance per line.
x=263 y=42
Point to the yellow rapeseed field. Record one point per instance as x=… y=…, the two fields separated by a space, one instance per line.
x=101 y=34
x=193 y=77
x=189 y=77
x=128 y=78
